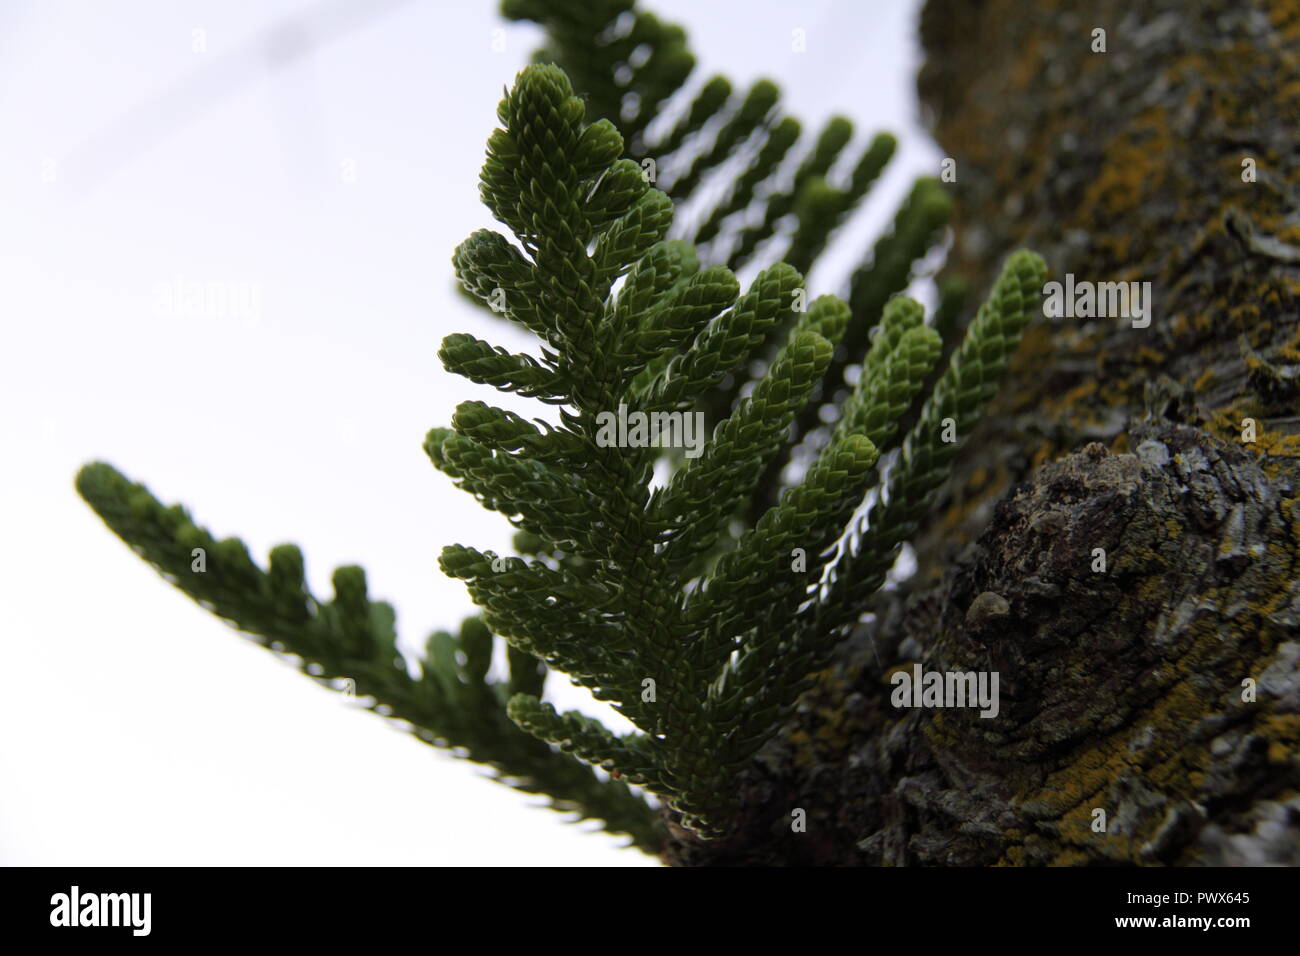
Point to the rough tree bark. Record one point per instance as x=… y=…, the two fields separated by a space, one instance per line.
x=1123 y=690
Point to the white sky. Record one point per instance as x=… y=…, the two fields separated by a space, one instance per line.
x=135 y=729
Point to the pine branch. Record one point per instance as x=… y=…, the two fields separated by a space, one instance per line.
x=350 y=643
x=705 y=652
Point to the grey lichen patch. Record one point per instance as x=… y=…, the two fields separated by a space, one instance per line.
x=1272 y=838
x=1153 y=453
x=1280 y=681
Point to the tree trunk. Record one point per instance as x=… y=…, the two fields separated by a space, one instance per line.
x=1164 y=690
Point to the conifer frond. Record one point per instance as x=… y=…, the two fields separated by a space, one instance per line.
x=349 y=643
x=780 y=198
x=705 y=652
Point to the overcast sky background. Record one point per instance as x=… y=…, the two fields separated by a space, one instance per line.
x=333 y=168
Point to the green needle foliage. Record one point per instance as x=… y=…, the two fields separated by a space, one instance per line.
x=732 y=162
x=704 y=644
x=349 y=643
x=700 y=587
